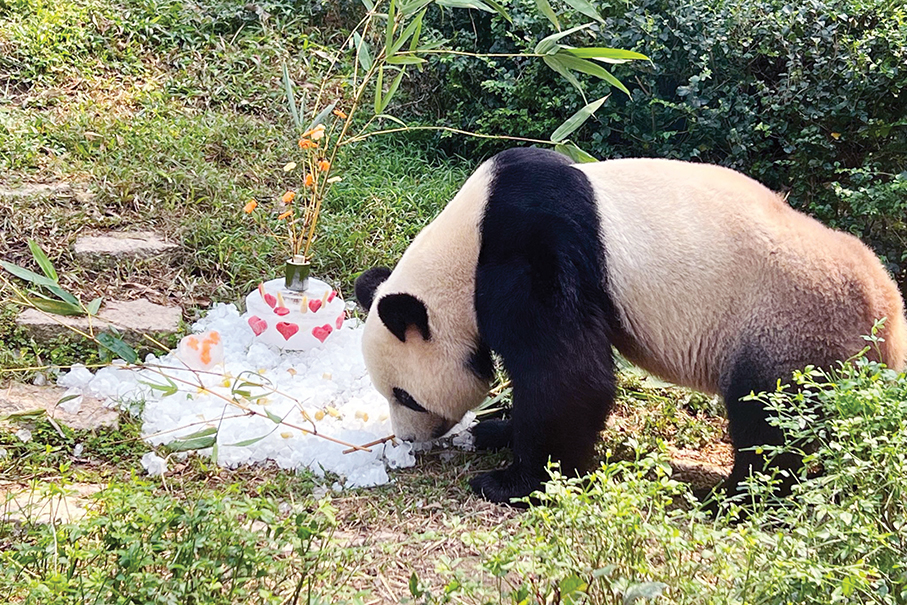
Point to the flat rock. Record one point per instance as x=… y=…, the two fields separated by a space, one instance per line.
x=105 y=250
x=47 y=190
x=28 y=505
x=132 y=318
x=17 y=397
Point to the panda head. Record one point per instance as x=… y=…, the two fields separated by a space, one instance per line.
x=430 y=375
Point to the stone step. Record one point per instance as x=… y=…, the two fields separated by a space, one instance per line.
x=90 y=413
x=131 y=318
x=102 y=251
x=78 y=191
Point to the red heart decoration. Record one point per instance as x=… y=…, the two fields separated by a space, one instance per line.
x=257 y=324
x=314 y=305
x=322 y=332
x=287 y=329
x=340 y=318
x=269 y=298
x=281 y=310
x=331 y=296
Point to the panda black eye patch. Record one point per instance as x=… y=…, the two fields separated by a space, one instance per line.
x=406 y=400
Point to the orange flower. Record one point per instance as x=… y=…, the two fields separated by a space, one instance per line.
x=285 y=215
x=309 y=180
x=307 y=144
x=316 y=133
x=324 y=165
x=288 y=197
x=339 y=114
x=248 y=208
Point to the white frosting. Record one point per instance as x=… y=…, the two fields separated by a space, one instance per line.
x=303 y=322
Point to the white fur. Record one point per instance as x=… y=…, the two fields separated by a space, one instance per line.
x=439 y=269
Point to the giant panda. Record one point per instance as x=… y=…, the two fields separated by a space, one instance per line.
x=694 y=272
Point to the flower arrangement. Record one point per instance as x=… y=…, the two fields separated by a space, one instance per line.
x=371 y=63
x=297 y=211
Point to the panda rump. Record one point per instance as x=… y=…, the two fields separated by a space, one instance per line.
x=694 y=272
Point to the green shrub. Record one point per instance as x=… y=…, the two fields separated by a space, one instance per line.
x=629 y=531
x=806 y=97
x=138 y=545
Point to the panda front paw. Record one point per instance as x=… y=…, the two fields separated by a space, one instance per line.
x=492 y=434
x=505 y=485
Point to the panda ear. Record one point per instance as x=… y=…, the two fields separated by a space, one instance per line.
x=400 y=311
x=367 y=283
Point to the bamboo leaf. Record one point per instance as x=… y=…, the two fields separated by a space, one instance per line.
x=362 y=52
x=273 y=417
x=46 y=266
x=369 y=5
x=205 y=432
x=94 y=306
x=379 y=83
x=497 y=6
x=548 y=45
x=391 y=26
x=585 y=8
x=576 y=120
x=405 y=60
x=246 y=442
x=414 y=43
x=115 y=345
x=29 y=276
x=555 y=64
x=62 y=295
x=321 y=116
x=590 y=68
x=415 y=6
x=63 y=400
x=545 y=7
x=409 y=31
x=575 y=153
x=390 y=91
x=607 y=55
x=25 y=415
x=186 y=445
x=291 y=98
x=166 y=389
x=392 y=119
x=476 y=4
x=56 y=307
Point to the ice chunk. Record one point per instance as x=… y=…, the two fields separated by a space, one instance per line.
x=153 y=464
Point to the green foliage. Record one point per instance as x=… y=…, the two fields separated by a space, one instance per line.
x=141 y=546
x=806 y=97
x=49 y=451
x=629 y=532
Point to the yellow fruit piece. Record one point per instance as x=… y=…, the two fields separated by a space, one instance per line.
x=319 y=415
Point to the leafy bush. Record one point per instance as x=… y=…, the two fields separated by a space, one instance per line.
x=629 y=532
x=806 y=97
x=141 y=546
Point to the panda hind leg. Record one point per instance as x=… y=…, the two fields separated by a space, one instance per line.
x=748 y=423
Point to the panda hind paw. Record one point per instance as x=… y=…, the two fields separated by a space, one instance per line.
x=492 y=434
x=504 y=485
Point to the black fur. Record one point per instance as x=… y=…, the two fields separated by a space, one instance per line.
x=407 y=400
x=493 y=434
x=480 y=362
x=541 y=304
x=400 y=311
x=367 y=283
x=753 y=370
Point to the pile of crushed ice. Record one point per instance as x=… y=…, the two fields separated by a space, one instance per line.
x=260 y=403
